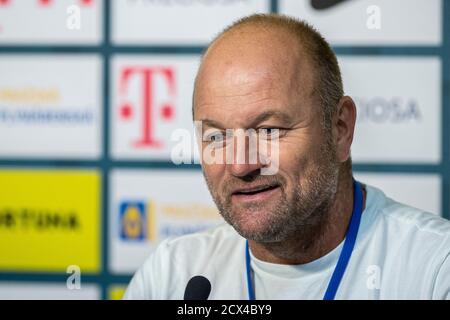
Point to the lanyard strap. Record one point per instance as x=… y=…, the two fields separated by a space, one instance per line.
x=344 y=257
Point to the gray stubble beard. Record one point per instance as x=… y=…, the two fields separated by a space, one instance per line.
x=295 y=218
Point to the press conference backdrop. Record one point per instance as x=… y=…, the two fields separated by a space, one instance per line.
x=92 y=93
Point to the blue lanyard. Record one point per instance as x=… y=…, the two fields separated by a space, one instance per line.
x=344 y=257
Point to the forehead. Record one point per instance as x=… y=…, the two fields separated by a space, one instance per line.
x=235 y=104
x=237 y=92
x=249 y=72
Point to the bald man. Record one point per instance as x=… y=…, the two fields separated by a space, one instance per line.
x=306 y=230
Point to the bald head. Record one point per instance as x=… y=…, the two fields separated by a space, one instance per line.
x=250 y=61
x=274 y=47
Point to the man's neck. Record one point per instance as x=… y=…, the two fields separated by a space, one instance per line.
x=317 y=240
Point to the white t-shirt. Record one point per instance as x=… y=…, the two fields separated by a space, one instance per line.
x=400 y=253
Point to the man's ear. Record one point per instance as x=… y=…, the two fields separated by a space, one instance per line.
x=344 y=127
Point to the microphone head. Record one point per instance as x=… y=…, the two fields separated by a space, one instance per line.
x=198 y=288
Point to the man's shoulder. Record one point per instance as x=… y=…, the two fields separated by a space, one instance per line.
x=220 y=234
x=412 y=244
x=414 y=219
x=403 y=224
x=167 y=270
x=221 y=239
x=395 y=212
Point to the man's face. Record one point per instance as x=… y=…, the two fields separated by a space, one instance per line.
x=243 y=84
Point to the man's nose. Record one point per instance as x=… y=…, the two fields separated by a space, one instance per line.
x=245 y=158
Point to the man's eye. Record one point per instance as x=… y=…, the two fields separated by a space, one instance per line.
x=215 y=138
x=269 y=132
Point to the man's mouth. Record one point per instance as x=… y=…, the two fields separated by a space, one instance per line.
x=258 y=193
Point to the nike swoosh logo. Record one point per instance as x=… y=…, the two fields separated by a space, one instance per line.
x=325 y=4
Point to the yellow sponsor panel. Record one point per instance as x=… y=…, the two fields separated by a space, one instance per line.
x=116 y=292
x=49 y=220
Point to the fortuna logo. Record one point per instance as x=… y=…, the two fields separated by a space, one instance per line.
x=40 y=219
x=46 y=2
x=325 y=4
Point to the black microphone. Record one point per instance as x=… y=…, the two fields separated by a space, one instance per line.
x=198 y=288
